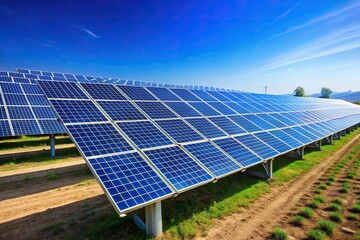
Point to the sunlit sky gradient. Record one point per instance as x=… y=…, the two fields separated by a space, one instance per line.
x=244 y=45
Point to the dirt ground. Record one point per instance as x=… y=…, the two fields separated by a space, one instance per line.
x=29 y=208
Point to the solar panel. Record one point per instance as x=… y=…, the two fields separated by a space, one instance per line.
x=103 y=91
x=238 y=151
x=15 y=99
x=185 y=95
x=183 y=109
x=156 y=110
x=216 y=161
x=16 y=112
x=203 y=95
x=50 y=126
x=178 y=167
x=259 y=122
x=25 y=127
x=273 y=121
x=218 y=96
x=4 y=127
x=62 y=90
x=247 y=125
x=121 y=110
x=237 y=107
x=274 y=142
x=136 y=93
x=177 y=129
x=43 y=112
x=144 y=134
x=206 y=128
x=227 y=125
x=204 y=109
x=291 y=141
x=222 y=108
x=163 y=94
x=258 y=146
x=298 y=135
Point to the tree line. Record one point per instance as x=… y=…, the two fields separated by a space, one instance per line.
x=325 y=92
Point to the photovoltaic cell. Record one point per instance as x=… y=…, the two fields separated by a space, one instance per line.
x=222 y=108
x=283 y=119
x=299 y=136
x=98 y=139
x=268 y=118
x=203 y=95
x=274 y=142
x=206 y=128
x=218 y=96
x=286 y=138
x=237 y=107
x=72 y=111
x=43 y=112
x=37 y=100
x=259 y=122
x=103 y=91
x=25 y=127
x=62 y=90
x=10 y=88
x=144 y=134
x=205 y=109
x=20 y=112
x=31 y=89
x=227 y=125
x=237 y=151
x=257 y=146
x=182 y=109
x=2 y=113
x=306 y=133
x=185 y=95
x=178 y=167
x=136 y=93
x=156 y=110
x=216 y=161
x=121 y=110
x=15 y=99
x=179 y=130
x=51 y=126
x=4 y=128
x=163 y=94
x=129 y=180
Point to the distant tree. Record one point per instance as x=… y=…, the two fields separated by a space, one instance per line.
x=299 y=92
x=325 y=92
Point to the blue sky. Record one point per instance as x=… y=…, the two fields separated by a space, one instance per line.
x=243 y=45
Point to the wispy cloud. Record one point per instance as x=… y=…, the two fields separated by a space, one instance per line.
x=282 y=15
x=85 y=30
x=325 y=17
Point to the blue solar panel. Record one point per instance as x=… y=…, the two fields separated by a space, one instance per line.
x=1 y=101
x=218 y=96
x=212 y=158
x=10 y=88
x=144 y=134
x=222 y=108
x=293 y=142
x=20 y=112
x=51 y=126
x=44 y=112
x=268 y=118
x=163 y=94
x=5 y=79
x=237 y=151
x=283 y=119
x=4 y=128
x=71 y=111
x=306 y=133
x=156 y=110
x=129 y=180
x=185 y=95
x=15 y=99
x=21 y=80
x=205 y=109
x=208 y=129
x=37 y=100
x=237 y=107
x=227 y=125
x=245 y=124
x=259 y=122
x=179 y=130
x=314 y=131
x=274 y=142
x=136 y=93
x=103 y=91
x=98 y=139
x=292 y=118
x=31 y=89
x=229 y=96
x=2 y=113
x=121 y=110
x=183 y=109
x=25 y=127
x=62 y=90
x=203 y=95
x=257 y=146
x=181 y=170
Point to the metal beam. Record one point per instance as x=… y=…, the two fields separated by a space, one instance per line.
x=328 y=140
x=337 y=136
x=52 y=145
x=268 y=166
x=297 y=154
x=315 y=145
x=153 y=219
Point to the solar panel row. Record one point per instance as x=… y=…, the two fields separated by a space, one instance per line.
x=185 y=137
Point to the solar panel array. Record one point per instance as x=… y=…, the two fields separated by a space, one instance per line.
x=145 y=144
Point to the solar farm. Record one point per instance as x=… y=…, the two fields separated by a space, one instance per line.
x=147 y=143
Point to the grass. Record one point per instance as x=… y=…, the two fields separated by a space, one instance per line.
x=86 y=182
x=323 y=186
x=56 y=228
x=351 y=173
x=336 y=217
x=298 y=220
x=279 y=234
x=331 y=178
x=314 y=204
x=327 y=226
x=52 y=176
x=334 y=207
x=30 y=142
x=338 y=201
x=316 y=234
x=356 y=208
x=357 y=235
x=352 y=216
x=320 y=198
x=306 y=212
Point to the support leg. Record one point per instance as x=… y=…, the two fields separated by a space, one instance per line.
x=315 y=145
x=328 y=140
x=336 y=136
x=268 y=166
x=297 y=154
x=52 y=145
x=347 y=131
x=153 y=219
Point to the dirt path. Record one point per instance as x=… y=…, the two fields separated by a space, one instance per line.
x=267 y=212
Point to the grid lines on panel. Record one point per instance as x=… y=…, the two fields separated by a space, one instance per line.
x=179 y=130
x=25 y=127
x=62 y=90
x=129 y=180
x=156 y=110
x=286 y=138
x=163 y=94
x=274 y=142
x=182 y=109
x=180 y=169
x=206 y=127
x=227 y=125
x=257 y=146
x=136 y=93
x=121 y=110
x=103 y=91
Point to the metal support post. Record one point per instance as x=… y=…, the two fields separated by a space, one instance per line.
x=347 y=131
x=52 y=145
x=297 y=154
x=328 y=140
x=343 y=133
x=153 y=219
x=315 y=145
x=336 y=136
x=268 y=166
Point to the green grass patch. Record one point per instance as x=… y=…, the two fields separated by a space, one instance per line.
x=298 y=220
x=56 y=228
x=30 y=142
x=338 y=200
x=327 y=226
x=334 y=207
x=323 y=186
x=279 y=234
x=351 y=173
x=320 y=198
x=356 y=208
x=316 y=234
x=331 y=178
x=86 y=182
x=314 y=204
x=352 y=216
x=306 y=212
x=336 y=217
x=53 y=176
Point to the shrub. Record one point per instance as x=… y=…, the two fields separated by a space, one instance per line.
x=279 y=234
x=334 y=207
x=316 y=234
x=356 y=208
x=314 y=204
x=352 y=216
x=336 y=216
x=323 y=186
x=320 y=198
x=306 y=212
x=298 y=220
x=327 y=226
x=338 y=201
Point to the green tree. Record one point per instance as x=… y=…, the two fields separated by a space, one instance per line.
x=325 y=92
x=299 y=92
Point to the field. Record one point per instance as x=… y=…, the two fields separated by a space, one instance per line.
x=58 y=198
